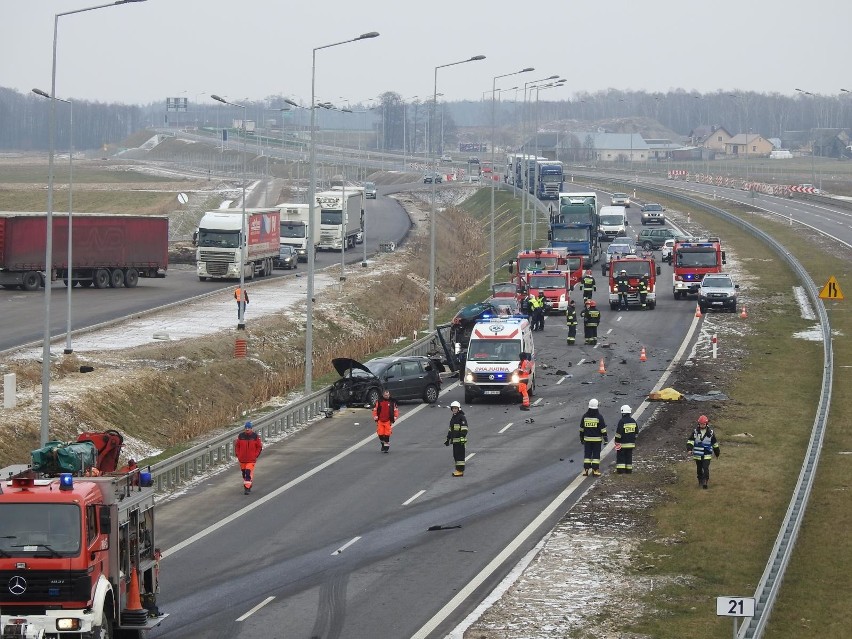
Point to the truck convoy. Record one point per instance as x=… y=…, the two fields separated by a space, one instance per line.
x=107 y=250
x=636 y=267
x=691 y=260
x=78 y=554
x=549 y=180
x=219 y=254
x=574 y=227
x=294 y=228
x=341 y=218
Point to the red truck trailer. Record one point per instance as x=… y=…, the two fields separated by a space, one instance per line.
x=107 y=250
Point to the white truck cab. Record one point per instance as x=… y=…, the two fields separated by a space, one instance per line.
x=494 y=356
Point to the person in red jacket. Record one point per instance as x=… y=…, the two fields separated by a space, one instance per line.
x=247 y=448
x=385 y=412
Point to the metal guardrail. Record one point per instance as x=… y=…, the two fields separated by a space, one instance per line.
x=773 y=575
x=172 y=473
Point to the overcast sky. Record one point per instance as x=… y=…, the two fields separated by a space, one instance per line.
x=139 y=53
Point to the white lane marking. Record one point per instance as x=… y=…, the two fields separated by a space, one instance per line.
x=561 y=379
x=552 y=507
x=617 y=319
x=345 y=546
x=504 y=429
x=582 y=361
x=537 y=402
x=413 y=497
x=469 y=456
x=201 y=534
x=255 y=609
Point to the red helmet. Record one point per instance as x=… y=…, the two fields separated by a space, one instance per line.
x=703 y=420
x=593 y=304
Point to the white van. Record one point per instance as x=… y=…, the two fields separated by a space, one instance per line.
x=612 y=222
x=494 y=355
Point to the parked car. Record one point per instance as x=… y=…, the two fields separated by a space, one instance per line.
x=370 y=190
x=427 y=178
x=620 y=199
x=407 y=377
x=718 y=291
x=666 y=251
x=654 y=239
x=287 y=257
x=653 y=213
x=446 y=158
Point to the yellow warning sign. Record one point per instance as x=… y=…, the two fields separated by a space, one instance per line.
x=831 y=290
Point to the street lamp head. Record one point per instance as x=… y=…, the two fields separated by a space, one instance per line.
x=365 y=36
x=41 y=93
x=218 y=98
x=476 y=57
x=846 y=91
x=127 y=1
x=553 y=77
x=527 y=70
x=290 y=102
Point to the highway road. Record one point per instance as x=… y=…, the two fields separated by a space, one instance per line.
x=23 y=312
x=334 y=540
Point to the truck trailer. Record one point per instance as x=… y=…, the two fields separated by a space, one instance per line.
x=219 y=254
x=107 y=250
x=341 y=213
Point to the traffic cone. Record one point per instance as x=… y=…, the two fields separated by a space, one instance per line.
x=642 y=356
x=744 y=315
x=134 y=614
x=697 y=311
x=602 y=368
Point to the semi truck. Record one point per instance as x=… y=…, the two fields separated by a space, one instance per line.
x=574 y=226
x=78 y=552
x=549 y=180
x=294 y=228
x=691 y=260
x=341 y=218
x=108 y=251
x=219 y=254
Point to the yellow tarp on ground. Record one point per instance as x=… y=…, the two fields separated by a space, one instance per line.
x=665 y=395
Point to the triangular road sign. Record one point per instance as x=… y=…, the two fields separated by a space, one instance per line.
x=831 y=290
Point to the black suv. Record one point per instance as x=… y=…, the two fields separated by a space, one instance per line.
x=654 y=239
x=408 y=377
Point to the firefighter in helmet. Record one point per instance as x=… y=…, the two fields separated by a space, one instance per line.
x=591 y=320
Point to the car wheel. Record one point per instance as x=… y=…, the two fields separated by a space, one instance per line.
x=702 y=308
x=677 y=295
x=468 y=397
x=430 y=394
x=372 y=397
x=647 y=245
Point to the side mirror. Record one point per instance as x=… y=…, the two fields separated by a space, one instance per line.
x=659 y=270
x=104 y=520
x=723 y=258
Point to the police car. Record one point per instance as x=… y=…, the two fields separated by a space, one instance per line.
x=494 y=356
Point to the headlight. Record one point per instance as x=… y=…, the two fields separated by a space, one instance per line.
x=468 y=376
x=515 y=377
x=67 y=623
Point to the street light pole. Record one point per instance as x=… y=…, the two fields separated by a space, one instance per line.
x=309 y=329
x=68 y=350
x=493 y=187
x=48 y=240
x=432 y=225
x=241 y=320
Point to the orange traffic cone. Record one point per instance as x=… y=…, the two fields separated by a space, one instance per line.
x=134 y=614
x=602 y=368
x=697 y=311
x=744 y=315
x=642 y=356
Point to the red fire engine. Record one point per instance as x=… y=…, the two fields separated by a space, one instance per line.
x=554 y=284
x=636 y=267
x=691 y=260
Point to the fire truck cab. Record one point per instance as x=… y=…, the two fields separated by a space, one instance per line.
x=691 y=260
x=554 y=284
x=636 y=267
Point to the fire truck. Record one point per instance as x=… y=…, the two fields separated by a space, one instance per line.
x=77 y=549
x=555 y=284
x=636 y=267
x=535 y=260
x=691 y=260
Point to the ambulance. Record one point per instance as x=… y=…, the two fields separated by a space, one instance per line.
x=494 y=356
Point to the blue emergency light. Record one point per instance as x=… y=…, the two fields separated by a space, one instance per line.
x=66 y=481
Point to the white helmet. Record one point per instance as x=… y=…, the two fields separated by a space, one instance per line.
x=625 y=410
x=455 y=405
x=593 y=403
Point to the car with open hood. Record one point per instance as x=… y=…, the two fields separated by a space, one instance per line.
x=406 y=377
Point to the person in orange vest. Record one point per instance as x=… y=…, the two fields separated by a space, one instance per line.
x=247 y=448
x=524 y=369
x=385 y=413
x=245 y=301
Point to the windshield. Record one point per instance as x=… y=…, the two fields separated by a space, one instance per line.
x=504 y=289
x=620 y=196
x=717 y=282
x=369 y=185
x=569 y=234
x=612 y=249
x=612 y=220
x=551 y=179
x=547 y=281
x=331 y=217
x=42 y=529
x=494 y=350
x=575 y=214
x=653 y=207
x=218 y=239
x=537 y=263
x=696 y=257
x=292 y=230
x=634 y=268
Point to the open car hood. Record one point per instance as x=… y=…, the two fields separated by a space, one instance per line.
x=343 y=364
